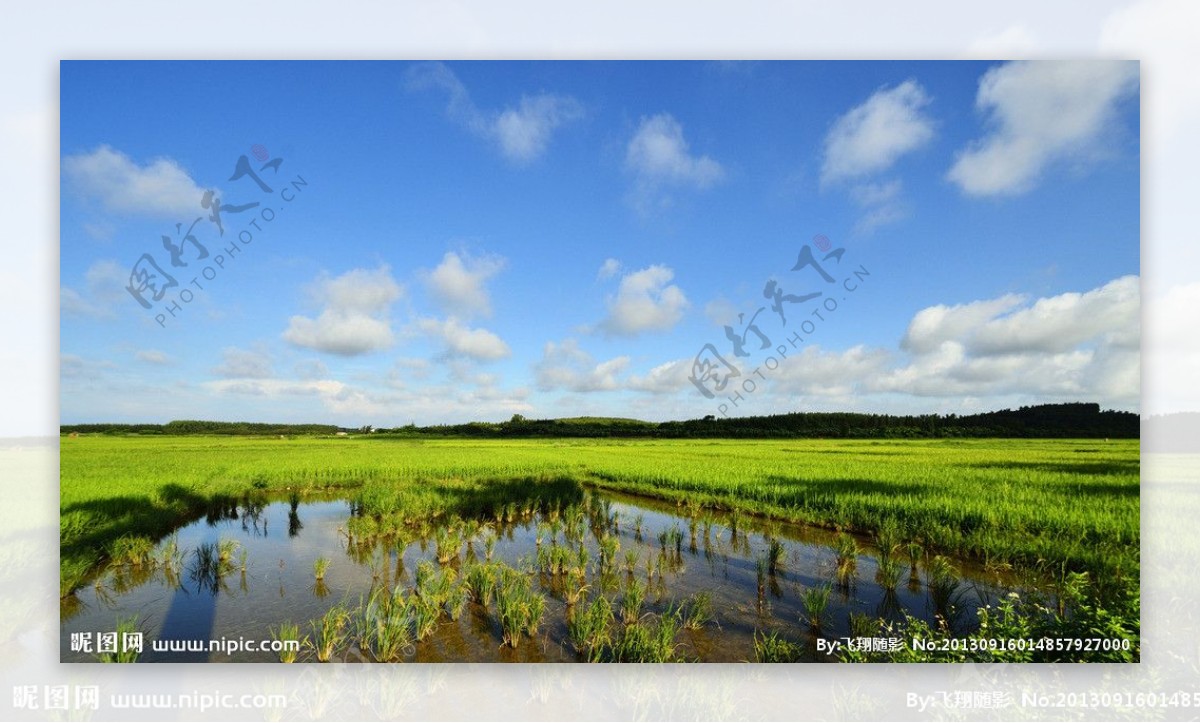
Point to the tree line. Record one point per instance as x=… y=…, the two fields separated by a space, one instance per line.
x=1073 y=420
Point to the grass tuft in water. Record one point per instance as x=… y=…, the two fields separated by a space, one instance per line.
x=815 y=601
x=329 y=633
x=123 y=654
x=320 y=566
x=289 y=634
x=773 y=648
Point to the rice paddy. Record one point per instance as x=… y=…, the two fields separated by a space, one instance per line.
x=532 y=550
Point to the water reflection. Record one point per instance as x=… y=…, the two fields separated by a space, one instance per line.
x=232 y=578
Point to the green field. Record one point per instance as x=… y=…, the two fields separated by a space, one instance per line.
x=1062 y=515
x=1053 y=504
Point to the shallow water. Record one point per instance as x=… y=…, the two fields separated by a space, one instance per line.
x=282 y=539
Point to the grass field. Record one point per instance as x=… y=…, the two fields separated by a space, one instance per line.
x=1055 y=504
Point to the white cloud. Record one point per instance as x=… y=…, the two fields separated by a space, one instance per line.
x=932 y=326
x=104 y=288
x=153 y=356
x=721 y=311
x=1041 y=112
x=609 y=269
x=871 y=137
x=816 y=372
x=77 y=367
x=522 y=133
x=354 y=318
x=159 y=188
x=658 y=154
x=664 y=378
x=459 y=283
x=645 y=301
x=567 y=367
x=244 y=364
x=525 y=131
x=1082 y=346
x=311 y=369
x=463 y=341
x=881 y=203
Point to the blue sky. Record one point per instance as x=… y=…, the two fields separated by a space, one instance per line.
x=473 y=240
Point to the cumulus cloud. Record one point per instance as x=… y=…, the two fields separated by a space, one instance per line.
x=161 y=187
x=871 y=137
x=1075 y=345
x=721 y=311
x=609 y=269
x=460 y=340
x=522 y=133
x=459 y=283
x=1040 y=113
x=646 y=300
x=664 y=378
x=153 y=356
x=565 y=366
x=881 y=203
x=658 y=153
x=103 y=288
x=244 y=364
x=354 y=315
x=817 y=372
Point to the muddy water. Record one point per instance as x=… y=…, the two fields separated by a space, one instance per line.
x=282 y=539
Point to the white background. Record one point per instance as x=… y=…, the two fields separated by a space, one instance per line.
x=1163 y=34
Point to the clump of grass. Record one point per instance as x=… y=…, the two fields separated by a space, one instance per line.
x=863 y=625
x=576 y=588
x=847 y=557
x=637 y=526
x=243 y=557
x=888 y=573
x=631 y=602
x=329 y=633
x=589 y=628
x=815 y=601
x=519 y=608
x=648 y=641
x=944 y=588
x=888 y=539
x=226 y=546
x=481 y=583
x=73 y=571
x=697 y=611
x=774 y=556
x=760 y=569
x=489 y=543
x=383 y=626
x=133 y=550
x=631 y=561
x=123 y=654
x=287 y=632
x=455 y=599
x=170 y=557
x=449 y=542
x=915 y=551
x=609 y=546
x=773 y=648
x=320 y=566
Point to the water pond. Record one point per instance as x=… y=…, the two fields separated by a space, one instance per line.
x=752 y=577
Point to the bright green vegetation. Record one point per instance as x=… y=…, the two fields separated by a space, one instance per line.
x=1058 y=509
x=123 y=653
